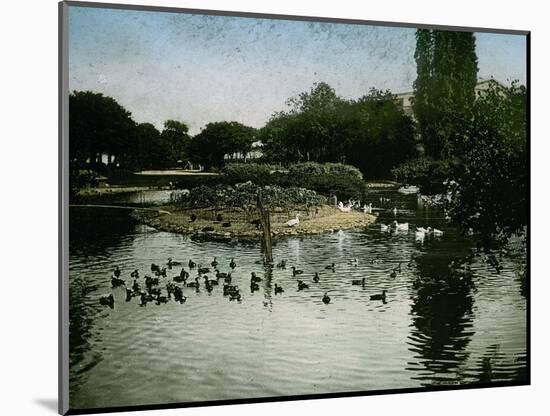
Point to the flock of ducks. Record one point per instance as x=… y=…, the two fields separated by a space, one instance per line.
x=355 y=205
x=158 y=288
x=351 y=205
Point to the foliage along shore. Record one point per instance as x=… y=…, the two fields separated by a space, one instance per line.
x=320 y=220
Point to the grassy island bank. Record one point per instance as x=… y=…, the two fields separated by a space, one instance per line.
x=237 y=224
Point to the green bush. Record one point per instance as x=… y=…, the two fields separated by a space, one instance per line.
x=245 y=195
x=312 y=168
x=344 y=181
x=257 y=173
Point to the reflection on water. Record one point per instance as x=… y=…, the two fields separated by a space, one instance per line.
x=438 y=325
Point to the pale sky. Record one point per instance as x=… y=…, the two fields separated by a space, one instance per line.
x=199 y=69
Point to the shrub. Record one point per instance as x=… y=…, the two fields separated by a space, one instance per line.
x=257 y=173
x=344 y=181
x=245 y=195
x=336 y=169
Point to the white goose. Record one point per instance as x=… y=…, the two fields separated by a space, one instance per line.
x=401 y=227
x=437 y=233
x=420 y=233
x=342 y=208
x=384 y=227
x=294 y=222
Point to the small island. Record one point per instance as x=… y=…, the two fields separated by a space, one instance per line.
x=323 y=219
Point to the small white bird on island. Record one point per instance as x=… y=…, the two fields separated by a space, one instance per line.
x=367 y=209
x=384 y=227
x=294 y=222
x=342 y=208
x=394 y=211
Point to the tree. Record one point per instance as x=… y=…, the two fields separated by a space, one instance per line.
x=490 y=184
x=174 y=141
x=98 y=125
x=444 y=90
x=218 y=139
x=373 y=133
x=147 y=152
x=384 y=135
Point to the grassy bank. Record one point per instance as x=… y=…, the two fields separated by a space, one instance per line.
x=239 y=223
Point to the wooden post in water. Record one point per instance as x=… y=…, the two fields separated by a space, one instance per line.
x=266 y=228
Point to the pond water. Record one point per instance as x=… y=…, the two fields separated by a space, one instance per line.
x=433 y=329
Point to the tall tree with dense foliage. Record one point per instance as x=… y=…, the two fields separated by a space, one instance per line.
x=147 y=151
x=383 y=136
x=218 y=139
x=490 y=184
x=444 y=90
x=174 y=141
x=98 y=125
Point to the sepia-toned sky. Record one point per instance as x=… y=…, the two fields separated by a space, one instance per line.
x=200 y=69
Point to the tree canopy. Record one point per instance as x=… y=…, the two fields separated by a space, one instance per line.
x=218 y=139
x=490 y=182
x=98 y=125
x=444 y=89
x=372 y=133
x=174 y=141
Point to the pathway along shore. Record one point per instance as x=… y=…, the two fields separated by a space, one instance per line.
x=237 y=224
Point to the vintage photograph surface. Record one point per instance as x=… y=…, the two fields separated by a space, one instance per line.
x=266 y=207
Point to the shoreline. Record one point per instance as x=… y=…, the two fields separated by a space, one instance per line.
x=317 y=221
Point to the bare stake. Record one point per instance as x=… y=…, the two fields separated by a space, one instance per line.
x=266 y=228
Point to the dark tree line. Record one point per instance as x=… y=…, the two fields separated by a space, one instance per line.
x=100 y=128
x=371 y=133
